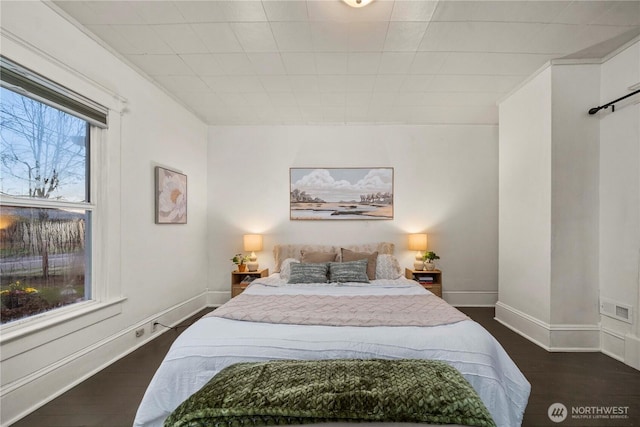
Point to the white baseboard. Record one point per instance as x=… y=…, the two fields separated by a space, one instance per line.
x=621 y=345
x=612 y=343
x=217 y=298
x=471 y=298
x=632 y=351
x=21 y=398
x=553 y=338
x=523 y=324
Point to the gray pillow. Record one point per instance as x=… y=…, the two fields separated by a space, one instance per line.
x=352 y=271
x=371 y=258
x=308 y=273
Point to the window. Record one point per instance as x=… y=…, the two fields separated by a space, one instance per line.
x=46 y=203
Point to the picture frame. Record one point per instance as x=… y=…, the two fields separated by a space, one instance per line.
x=359 y=193
x=170 y=196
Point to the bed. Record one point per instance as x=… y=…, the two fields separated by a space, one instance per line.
x=216 y=342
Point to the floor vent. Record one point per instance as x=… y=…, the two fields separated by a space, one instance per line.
x=616 y=310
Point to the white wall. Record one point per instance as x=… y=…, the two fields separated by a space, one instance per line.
x=620 y=203
x=155 y=268
x=525 y=198
x=574 y=196
x=549 y=208
x=445 y=184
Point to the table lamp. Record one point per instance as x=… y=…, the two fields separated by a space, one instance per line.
x=252 y=242
x=418 y=242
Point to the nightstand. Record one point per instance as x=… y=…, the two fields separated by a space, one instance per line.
x=237 y=285
x=430 y=280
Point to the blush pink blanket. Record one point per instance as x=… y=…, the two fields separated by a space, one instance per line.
x=330 y=310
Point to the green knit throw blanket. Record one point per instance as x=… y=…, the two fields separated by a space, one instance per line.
x=345 y=390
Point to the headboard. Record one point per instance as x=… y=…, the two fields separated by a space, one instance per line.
x=282 y=252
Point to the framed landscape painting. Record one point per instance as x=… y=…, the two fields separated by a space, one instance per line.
x=341 y=193
x=171 y=196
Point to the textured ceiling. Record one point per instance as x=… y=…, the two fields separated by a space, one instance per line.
x=249 y=62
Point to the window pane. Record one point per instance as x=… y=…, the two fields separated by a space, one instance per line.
x=42 y=261
x=43 y=151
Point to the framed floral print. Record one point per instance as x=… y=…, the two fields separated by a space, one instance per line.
x=171 y=196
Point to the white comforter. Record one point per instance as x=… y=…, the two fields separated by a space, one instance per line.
x=211 y=344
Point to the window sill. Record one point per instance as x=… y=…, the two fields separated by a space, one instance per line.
x=49 y=326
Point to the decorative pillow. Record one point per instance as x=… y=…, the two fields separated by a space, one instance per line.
x=316 y=257
x=388 y=267
x=285 y=269
x=348 y=255
x=282 y=252
x=352 y=271
x=308 y=273
x=380 y=247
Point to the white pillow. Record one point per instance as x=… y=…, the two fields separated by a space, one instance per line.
x=285 y=268
x=388 y=267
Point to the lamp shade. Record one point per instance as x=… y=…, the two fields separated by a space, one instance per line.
x=417 y=242
x=252 y=242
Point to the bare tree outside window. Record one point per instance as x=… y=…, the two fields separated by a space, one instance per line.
x=43 y=150
x=43 y=156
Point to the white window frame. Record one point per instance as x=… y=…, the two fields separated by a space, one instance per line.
x=104 y=203
x=90 y=206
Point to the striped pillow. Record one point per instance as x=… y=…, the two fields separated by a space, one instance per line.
x=351 y=271
x=308 y=273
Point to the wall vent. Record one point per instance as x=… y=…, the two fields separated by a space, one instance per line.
x=616 y=310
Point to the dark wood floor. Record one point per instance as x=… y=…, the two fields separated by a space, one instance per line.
x=586 y=381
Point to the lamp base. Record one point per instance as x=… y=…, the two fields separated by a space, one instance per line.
x=418 y=265
x=252 y=266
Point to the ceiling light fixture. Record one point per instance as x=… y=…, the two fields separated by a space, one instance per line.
x=357 y=3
